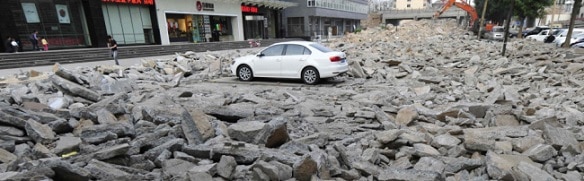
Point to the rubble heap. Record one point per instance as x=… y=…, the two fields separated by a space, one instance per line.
x=424 y=101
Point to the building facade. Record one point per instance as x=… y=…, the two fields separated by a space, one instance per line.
x=87 y=23
x=323 y=17
x=63 y=23
x=130 y=22
x=199 y=21
x=412 y=4
x=78 y=23
x=263 y=19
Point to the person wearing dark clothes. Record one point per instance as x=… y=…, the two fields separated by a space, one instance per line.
x=34 y=40
x=8 y=45
x=113 y=46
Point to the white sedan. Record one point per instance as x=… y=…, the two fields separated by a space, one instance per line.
x=304 y=60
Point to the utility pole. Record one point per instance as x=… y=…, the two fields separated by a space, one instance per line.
x=482 y=19
x=507 y=22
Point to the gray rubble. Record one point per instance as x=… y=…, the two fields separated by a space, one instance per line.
x=439 y=105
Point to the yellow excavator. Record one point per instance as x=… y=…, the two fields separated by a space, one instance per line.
x=462 y=5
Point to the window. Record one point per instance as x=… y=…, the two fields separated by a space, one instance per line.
x=296 y=50
x=321 y=48
x=273 y=51
x=409 y=5
x=409 y=0
x=295 y=26
x=310 y=3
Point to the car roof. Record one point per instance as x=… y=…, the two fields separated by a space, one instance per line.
x=305 y=43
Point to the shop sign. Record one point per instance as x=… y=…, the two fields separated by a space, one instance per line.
x=134 y=2
x=203 y=6
x=249 y=9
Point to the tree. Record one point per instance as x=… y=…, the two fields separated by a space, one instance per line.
x=575 y=11
x=498 y=10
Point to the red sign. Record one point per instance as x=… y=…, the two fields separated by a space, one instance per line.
x=249 y=9
x=134 y=2
x=199 y=6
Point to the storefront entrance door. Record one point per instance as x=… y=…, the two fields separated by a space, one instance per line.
x=254 y=27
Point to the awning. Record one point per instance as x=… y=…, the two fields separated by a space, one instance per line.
x=269 y=3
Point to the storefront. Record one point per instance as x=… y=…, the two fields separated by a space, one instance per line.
x=199 y=21
x=129 y=22
x=63 y=23
x=262 y=19
x=324 y=18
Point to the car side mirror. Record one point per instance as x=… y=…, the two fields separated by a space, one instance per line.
x=260 y=55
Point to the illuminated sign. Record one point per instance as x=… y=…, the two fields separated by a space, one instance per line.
x=135 y=2
x=249 y=9
x=205 y=6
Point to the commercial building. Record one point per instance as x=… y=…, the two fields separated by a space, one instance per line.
x=130 y=21
x=64 y=23
x=263 y=19
x=223 y=20
x=87 y=23
x=323 y=17
x=78 y=23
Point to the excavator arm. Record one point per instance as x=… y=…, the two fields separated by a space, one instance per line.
x=462 y=5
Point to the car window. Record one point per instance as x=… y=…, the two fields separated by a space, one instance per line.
x=273 y=51
x=321 y=48
x=296 y=50
x=498 y=29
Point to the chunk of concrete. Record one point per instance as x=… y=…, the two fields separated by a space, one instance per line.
x=541 y=152
x=38 y=132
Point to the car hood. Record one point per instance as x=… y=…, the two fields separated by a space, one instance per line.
x=245 y=58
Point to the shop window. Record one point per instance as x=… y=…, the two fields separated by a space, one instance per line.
x=62 y=24
x=128 y=24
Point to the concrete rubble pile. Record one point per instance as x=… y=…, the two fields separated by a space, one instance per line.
x=439 y=105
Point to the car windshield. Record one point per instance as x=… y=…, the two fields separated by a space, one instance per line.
x=556 y=32
x=498 y=29
x=321 y=48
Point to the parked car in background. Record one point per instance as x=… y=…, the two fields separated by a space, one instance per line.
x=497 y=33
x=578 y=45
x=560 y=39
x=540 y=36
x=308 y=61
x=579 y=42
x=577 y=39
x=555 y=33
x=546 y=36
x=535 y=30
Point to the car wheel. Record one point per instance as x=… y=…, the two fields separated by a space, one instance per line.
x=310 y=75
x=244 y=73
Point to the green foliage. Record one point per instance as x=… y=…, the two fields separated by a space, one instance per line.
x=497 y=10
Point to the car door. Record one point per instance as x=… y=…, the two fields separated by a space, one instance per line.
x=293 y=60
x=267 y=64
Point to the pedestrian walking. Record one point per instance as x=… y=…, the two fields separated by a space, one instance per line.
x=45 y=44
x=113 y=46
x=34 y=40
